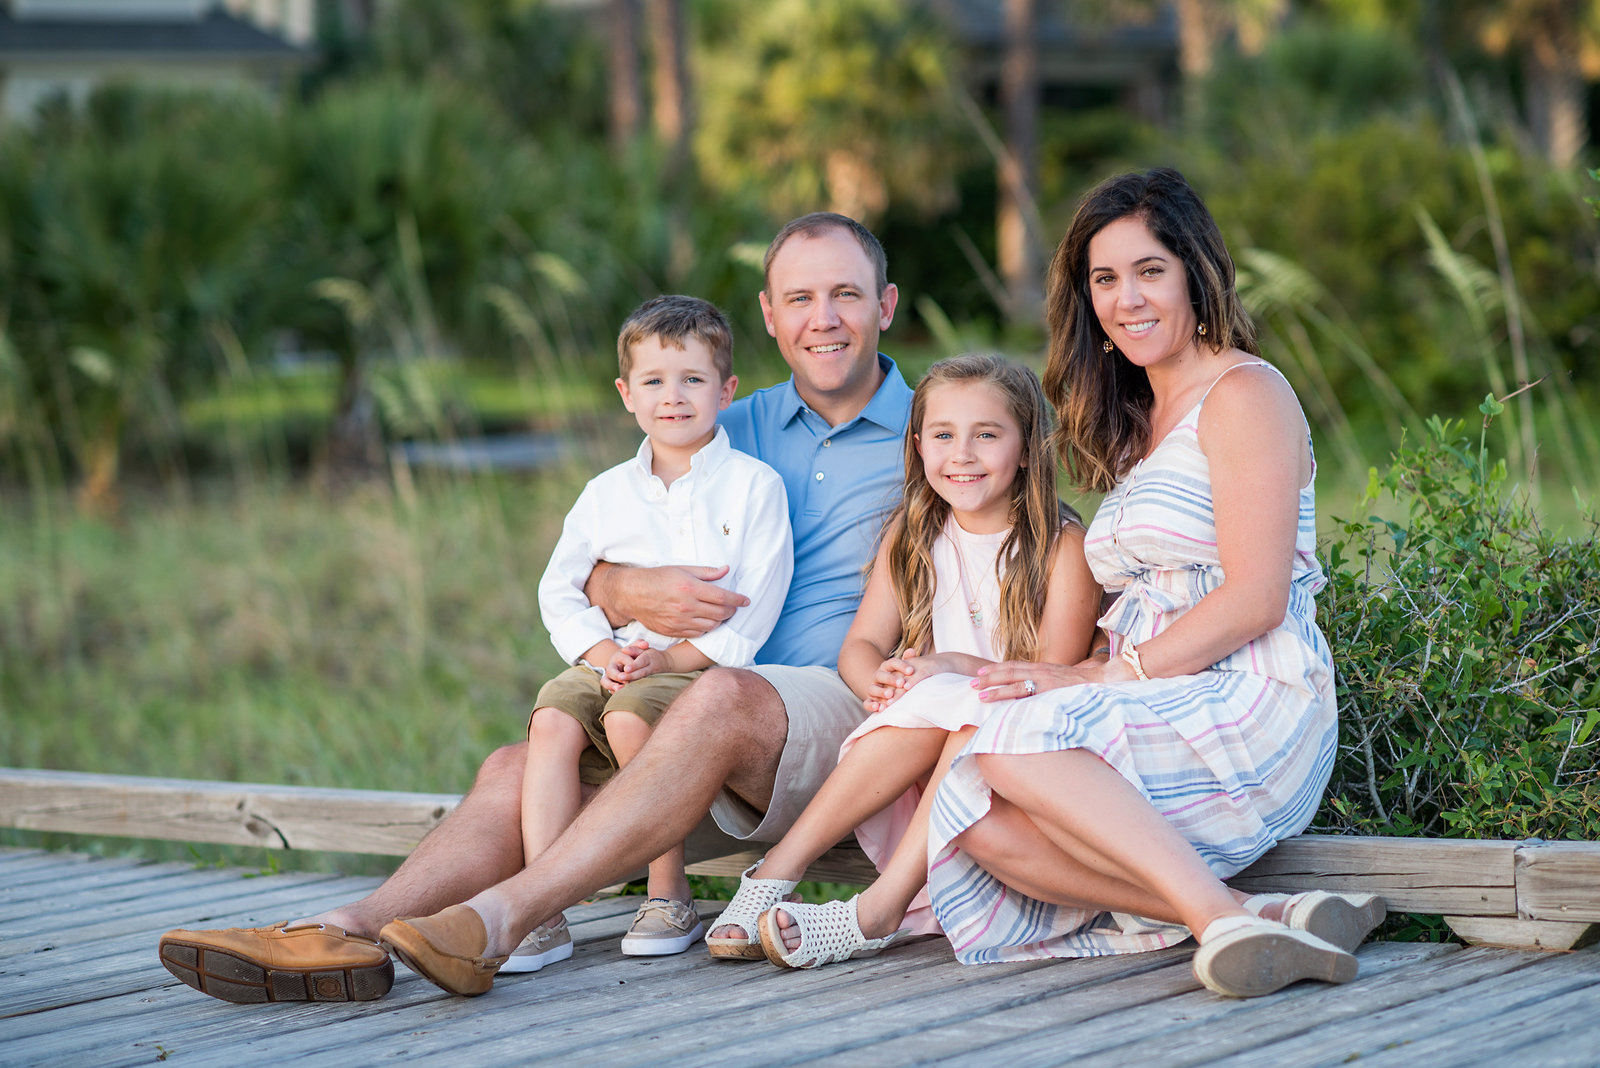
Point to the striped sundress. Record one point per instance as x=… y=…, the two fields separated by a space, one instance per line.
x=1235 y=757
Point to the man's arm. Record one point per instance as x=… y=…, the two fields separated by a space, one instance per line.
x=680 y=602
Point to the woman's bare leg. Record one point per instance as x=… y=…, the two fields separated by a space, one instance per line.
x=1104 y=824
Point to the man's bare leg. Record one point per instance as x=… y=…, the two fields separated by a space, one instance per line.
x=727 y=729
x=476 y=846
x=665 y=878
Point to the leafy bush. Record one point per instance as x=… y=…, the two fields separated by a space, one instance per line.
x=1464 y=638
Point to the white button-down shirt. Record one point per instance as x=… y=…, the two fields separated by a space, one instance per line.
x=729 y=508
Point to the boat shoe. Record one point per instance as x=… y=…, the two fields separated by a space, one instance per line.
x=284 y=962
x=446 y=949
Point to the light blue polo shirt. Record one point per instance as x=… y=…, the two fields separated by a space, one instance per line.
x=843 y=482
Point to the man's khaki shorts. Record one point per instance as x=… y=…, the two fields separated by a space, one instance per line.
x=822 y=712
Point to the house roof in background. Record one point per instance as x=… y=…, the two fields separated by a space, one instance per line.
x=216 y=35
x=982 y=23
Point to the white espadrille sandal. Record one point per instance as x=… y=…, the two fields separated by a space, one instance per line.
x=1247 y=957
x=1345 y=920
x=829 y=933
x=754 y=897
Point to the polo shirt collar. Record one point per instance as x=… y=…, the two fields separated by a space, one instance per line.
x=889 y=407
x=710 y=454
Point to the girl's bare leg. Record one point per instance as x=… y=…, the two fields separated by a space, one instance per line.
x=877 y=770
x=627 y=734
x=882 y=906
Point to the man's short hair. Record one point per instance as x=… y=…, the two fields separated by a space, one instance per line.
x=671 y=319
x=815 y=225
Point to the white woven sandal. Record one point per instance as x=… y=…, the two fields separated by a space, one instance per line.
x=829 y=933
x=1345 y=920
x=755 y=896
x=1247 y=956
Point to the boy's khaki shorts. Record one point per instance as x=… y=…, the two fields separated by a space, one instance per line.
x=578 y=693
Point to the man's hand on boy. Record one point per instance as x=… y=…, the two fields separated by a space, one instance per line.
x=632 y=662
x=678 y=601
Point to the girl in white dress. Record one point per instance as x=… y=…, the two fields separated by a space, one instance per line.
x=980 y=562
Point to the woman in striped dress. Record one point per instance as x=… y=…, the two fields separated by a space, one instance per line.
x=1099 y=807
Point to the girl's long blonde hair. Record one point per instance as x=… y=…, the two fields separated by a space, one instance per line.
x=1037 y=514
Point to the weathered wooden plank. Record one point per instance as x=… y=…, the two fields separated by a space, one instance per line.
x=1101 y=1024
x=911 y=1005
x=381 y=822
x=1417 y=1031
x=1462 y=877
x=1523 y=934
x=250 y=814
x=1558 y=881
x=842 y=864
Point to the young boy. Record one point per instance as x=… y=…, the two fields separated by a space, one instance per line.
x=687 y=497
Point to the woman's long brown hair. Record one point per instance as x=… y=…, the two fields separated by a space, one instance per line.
x=1102 y=401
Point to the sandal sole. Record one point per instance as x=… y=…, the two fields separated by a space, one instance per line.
x=1267 y=961
x=244 y=981
x=772 y=946
x=734 y=949
x=1343 y=920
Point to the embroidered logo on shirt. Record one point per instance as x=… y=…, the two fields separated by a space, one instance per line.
x=725 y=529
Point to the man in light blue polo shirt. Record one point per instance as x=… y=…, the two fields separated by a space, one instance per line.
x=750 y=746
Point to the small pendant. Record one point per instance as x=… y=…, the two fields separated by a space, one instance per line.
x=975 y=613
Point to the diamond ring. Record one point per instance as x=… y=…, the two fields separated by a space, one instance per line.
x=1028 y=688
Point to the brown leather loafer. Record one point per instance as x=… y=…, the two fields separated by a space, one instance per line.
x=446 y=949
x=284 y=962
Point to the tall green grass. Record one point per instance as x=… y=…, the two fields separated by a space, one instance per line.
x=362 y=639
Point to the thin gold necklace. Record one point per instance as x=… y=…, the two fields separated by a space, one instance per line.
x=969 y=594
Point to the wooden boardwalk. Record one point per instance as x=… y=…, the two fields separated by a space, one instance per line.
x=80 y=985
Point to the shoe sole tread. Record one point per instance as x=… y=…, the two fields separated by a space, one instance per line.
x=234 y=977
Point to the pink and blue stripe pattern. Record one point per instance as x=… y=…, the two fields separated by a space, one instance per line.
x=1236 y=757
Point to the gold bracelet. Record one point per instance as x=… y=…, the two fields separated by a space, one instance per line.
x=1130 y=653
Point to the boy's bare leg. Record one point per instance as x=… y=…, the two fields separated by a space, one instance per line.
x=552 y=792
x=727 y=729
x=627 y=733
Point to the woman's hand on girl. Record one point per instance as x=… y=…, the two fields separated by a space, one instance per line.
x=1020 y=678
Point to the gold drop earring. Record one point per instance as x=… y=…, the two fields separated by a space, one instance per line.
x=1106 y=346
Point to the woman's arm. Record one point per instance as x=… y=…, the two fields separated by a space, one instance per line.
x=1254 y=439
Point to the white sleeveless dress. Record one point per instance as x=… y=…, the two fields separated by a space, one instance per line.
x=1235 y=757
x=943 y=702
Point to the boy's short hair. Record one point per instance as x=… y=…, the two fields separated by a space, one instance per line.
x=673 y=318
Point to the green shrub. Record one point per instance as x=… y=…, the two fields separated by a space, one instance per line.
x=1464 y=638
